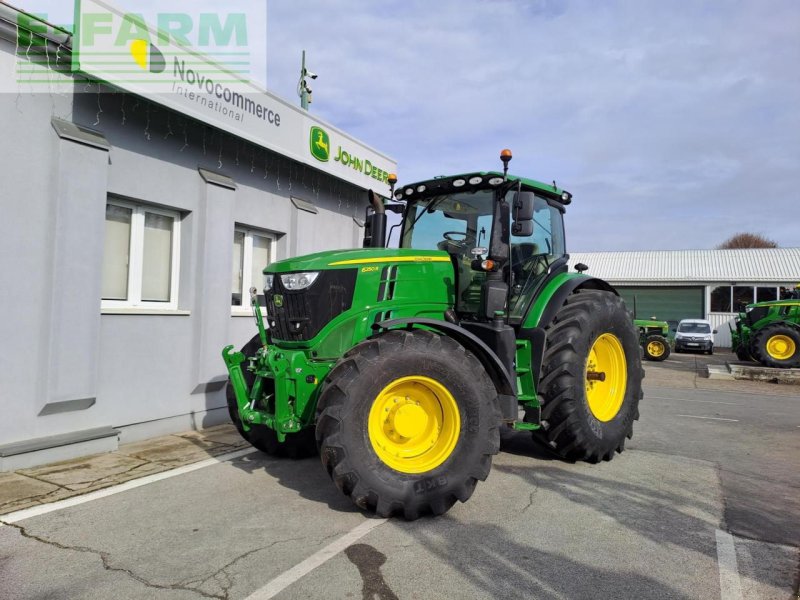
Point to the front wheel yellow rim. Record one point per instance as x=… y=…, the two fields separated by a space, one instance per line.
x=414 y=424
x=606 y=377
x=655 y=348
x=781 y=347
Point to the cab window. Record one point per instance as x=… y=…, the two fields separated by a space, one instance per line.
x=531 y=256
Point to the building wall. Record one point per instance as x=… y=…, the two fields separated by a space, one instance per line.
x=718 y=302
x=665 y=303
x=71 y=365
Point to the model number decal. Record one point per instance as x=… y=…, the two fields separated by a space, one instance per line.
x=368 y=269
x=428 y=485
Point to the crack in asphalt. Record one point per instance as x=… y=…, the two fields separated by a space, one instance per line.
x=88 y=483
x=535 y=485
x=227 y=582
x=36 y=498
x=105 y=559
x=221 y=576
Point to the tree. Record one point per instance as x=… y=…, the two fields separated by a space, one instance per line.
x=746 y=240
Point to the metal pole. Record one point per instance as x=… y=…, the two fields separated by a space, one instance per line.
x=303 y=88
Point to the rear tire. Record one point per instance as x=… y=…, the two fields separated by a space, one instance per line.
x=656 y=348
x=261 y=437
x=420 y=461
x=589 y=419
x=777 y=346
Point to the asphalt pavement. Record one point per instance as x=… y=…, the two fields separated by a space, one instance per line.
x=702 y=504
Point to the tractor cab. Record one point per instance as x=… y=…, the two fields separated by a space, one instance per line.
x=503 y=236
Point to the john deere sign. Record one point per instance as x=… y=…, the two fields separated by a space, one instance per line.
x=124 y=51
x=320 y=145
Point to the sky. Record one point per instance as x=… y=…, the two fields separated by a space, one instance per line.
x=674 y=124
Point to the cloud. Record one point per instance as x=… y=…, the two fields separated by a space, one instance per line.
x=674 y=125
x=674 y=128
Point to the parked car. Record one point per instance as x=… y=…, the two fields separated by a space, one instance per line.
x=694 y=334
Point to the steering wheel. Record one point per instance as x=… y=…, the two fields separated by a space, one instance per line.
x=446 y=235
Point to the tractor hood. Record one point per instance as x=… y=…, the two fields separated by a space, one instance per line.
x=344 y=292
x=650 y=323
x=348 y=259
x=784 y=302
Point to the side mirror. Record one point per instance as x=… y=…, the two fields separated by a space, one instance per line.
x=522 y=206
x=522 y=212
x=715 y=331
x=522 y=229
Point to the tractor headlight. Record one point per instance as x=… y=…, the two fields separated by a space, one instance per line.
x=269 y=278
x=299 y=281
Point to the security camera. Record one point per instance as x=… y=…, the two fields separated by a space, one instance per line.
x=310 y=74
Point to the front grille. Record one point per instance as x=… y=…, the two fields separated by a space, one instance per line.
x=300 y=315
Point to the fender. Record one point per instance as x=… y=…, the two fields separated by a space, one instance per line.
x=505 y=386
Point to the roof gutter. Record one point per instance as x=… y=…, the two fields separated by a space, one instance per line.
x=13 y=21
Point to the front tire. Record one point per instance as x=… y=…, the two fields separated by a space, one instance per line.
x=743 y=354
x=591 y=378
x=656 y=348
x=261 y=437
x=408 y=423
x=777 y=346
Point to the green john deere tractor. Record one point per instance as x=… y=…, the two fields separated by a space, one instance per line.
x=769 y=332
x=400 y=366
x=653 y=338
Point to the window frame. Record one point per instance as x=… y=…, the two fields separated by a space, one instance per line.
x=246 y=308
x=136 y=258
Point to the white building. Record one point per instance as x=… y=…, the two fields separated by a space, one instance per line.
x=133 y=225
x=706 y=284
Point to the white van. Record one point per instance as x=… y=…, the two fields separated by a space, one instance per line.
x=694 y=334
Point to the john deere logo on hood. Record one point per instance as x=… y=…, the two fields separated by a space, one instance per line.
x=320 y=144
x=147 y=56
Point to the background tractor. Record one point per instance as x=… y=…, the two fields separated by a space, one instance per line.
x=653 y=337
x=400 y=366
x=769 y=332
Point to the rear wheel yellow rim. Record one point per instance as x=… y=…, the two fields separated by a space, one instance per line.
x=655 y=349
x=606 y=377
x=781 y=347
x=414 y=424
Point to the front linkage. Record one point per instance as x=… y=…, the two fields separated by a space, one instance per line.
x=277 y=389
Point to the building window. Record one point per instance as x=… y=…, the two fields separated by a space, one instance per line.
x=252 y=252
x=742 y=296
x=141 y=258
x=766 y=294
x=721 y=299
